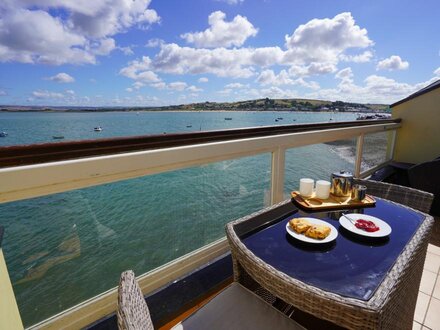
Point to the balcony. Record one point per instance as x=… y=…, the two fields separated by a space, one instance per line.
x=70 y=173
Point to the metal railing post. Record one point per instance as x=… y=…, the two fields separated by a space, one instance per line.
x=359 y=150
x=277 y=175
x=392 y=145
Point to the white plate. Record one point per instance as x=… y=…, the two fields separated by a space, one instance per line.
x=332 y=236
x=384 y=228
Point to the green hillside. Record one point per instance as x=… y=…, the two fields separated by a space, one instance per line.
x=282 y=104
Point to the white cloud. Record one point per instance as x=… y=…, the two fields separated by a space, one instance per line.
x=139 y=70
x=203 y=80
x=98 y=19
x=103 y=46
x=194 y=89
x=70 y=92
x=138 y=85
x=345 y=74
x=308 y=84
x=62 y=77
x=159 y=85
x=314 y=48
x=375 y=89
x=392 y=63
x=235 y=85
x=323 y=40
x=437 y=72
x=129 y=89
x=36 y=36
x=268 y=77
x=382 y=85
x=126 y=50
x=222 y=33
x=45 y=94
x=264 y=56
x=153 y=43
x=147 y=76
x=278 y=93
x=177 y=85
x=312 y=69
x=64 y=31
x=221 y=62
x=3 y=93
x=359 y=58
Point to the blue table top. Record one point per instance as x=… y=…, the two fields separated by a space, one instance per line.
x=352 y=266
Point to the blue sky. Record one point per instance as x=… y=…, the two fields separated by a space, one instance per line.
x=143 y=53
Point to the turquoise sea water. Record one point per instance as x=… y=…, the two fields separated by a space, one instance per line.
x=63 y=249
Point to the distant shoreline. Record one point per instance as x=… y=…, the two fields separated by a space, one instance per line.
x=165 y=110
x=256 y=105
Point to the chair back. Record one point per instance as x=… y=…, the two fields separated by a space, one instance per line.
x=417 y=199
x=132 y=313
x=426 y=176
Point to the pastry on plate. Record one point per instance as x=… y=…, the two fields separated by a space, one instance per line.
x=299 y=225
x=318 y=231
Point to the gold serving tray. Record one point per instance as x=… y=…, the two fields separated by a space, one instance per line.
x=314 y=204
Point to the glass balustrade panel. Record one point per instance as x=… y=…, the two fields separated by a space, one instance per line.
x=375 y=149
x=65 y=248
x=318 y=162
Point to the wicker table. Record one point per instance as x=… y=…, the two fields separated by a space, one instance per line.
x=390 y=305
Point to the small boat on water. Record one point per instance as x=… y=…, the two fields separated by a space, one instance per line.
x=57 y=137
x=188 y=126
x=228 y=118
x=276 y=120
x=3 y=134
x=280 y=118
x=98 y=129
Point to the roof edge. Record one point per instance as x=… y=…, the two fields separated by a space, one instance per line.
x=424 y=90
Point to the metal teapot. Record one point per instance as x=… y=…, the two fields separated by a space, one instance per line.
x=342 y=183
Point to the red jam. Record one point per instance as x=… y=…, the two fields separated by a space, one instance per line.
x=366 y=225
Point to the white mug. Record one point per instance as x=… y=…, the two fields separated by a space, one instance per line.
x=322 y=189
x=306 y=187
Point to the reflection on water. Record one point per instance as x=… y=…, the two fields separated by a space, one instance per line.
x=41 y=262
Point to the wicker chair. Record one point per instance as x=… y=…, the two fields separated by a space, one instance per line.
x=132 y=311
x=426 y=176
x=233 y=308
x=416 y=199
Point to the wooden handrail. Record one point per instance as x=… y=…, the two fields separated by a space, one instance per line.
x=48 y=152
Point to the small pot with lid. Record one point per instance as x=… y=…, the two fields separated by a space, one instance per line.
x=342 y=183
